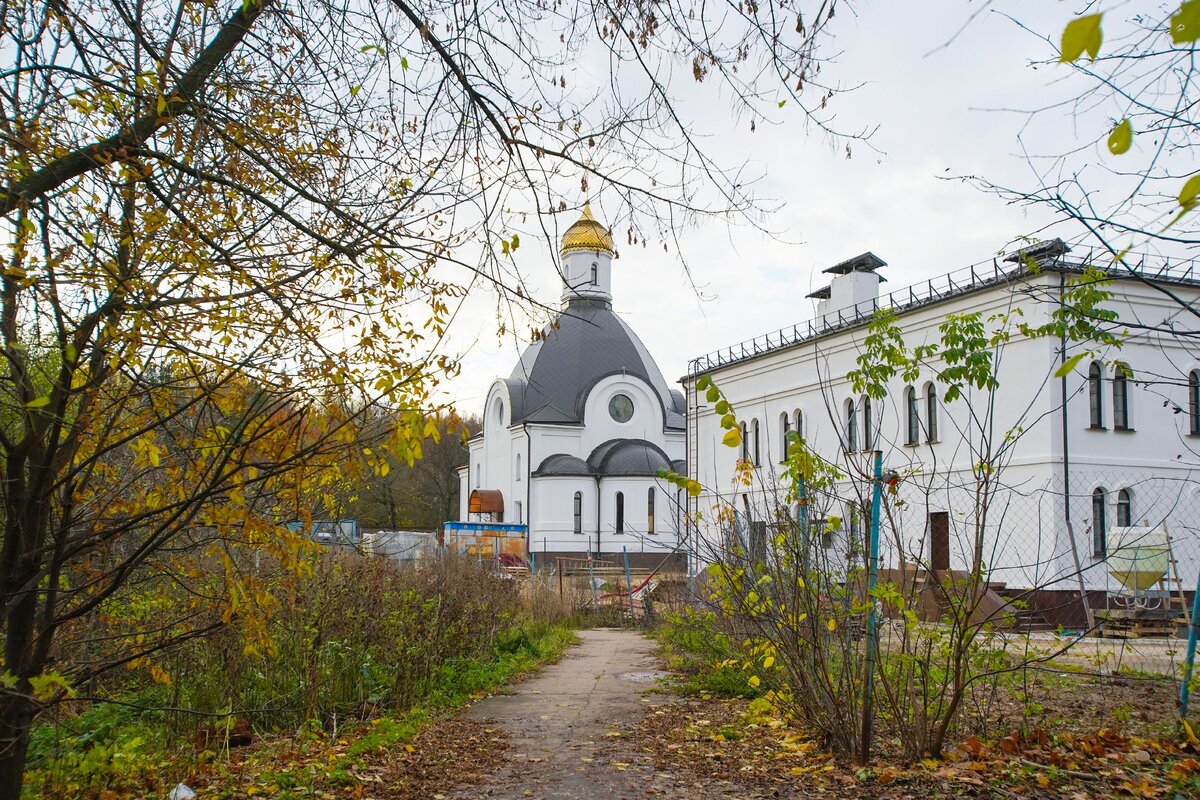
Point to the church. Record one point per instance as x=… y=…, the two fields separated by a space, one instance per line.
x=573 y=439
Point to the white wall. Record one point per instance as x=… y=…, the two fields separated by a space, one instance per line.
x=1026 y=540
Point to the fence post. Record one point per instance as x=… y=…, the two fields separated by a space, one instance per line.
x=1190 y=665
x=872 y=576
x=628 y=580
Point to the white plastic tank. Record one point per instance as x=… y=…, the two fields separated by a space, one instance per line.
x=1138 y=557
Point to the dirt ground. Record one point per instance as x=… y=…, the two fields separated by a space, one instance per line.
x=600 y=726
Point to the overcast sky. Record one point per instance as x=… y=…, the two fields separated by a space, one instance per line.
x=934 y=101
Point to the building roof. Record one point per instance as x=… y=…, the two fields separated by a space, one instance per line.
x=865 y=262
x=561 y=464
x=584 y=345
x=587 y=233
x=484 y=501
x=974 y=278
x=614 y=458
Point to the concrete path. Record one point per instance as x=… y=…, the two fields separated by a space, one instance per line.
x=565 y=728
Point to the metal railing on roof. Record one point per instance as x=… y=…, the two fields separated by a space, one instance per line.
x=959 y=282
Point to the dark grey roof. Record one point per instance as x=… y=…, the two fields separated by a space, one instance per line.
x=586 y=344
x=1037 y=253
x=628 y=457
x=866 y=262
x=679 y=466
x=821 y=294
x=563 y=464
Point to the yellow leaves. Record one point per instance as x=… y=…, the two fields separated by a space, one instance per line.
x=754 y=681
x=1082 y=35
x=146 y=451
x=831 y=625
x=1121 y=137
x=768 y=662
x=39 y=402
x=732 y=438
x=159 y=675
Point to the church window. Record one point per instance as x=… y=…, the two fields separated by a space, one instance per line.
x=754 y=437
x=595 y=274
x=931 y=413
x=620 y=408
x=620 y=512
x=1124 y=508
x=868 y=424
x=913 y=408
x=785 y=427
x=650 y=511
x=478 y=470
x=1099 y=524
x=851 y=427
x=1194 y=403
x=1120 y=397
x=1096 y=395
x=518 y=467
x=519 y=518
x=799 y=426
x=578 y=512
x=745 y=442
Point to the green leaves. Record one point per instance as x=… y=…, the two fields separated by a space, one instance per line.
x=1069 y=365
x=1082 y=35
x=713 y=394
x=1189 y=193
x=693 y=488
x=1185 y=23
x=1120 y=138
x=39 y=402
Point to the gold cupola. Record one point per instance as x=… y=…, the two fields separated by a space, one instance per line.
x=587 y=234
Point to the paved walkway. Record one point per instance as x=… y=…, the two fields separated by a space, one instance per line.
x=565 y=729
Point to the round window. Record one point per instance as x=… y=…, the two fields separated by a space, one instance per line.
x=620 y=408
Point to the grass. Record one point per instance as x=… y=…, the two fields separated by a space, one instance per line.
x=121 y=751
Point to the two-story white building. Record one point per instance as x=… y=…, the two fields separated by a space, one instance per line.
x=573 y=439
x=1114 y=442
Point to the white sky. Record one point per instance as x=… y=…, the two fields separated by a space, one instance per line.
x=932 y=108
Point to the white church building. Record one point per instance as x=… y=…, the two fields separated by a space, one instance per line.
x=1113 y=442
x=573 y=439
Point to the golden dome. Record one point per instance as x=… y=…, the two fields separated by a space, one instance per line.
x=587 y=234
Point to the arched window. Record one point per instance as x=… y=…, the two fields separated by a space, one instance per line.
x=931 y=413
x=754 y=436
x=595 y=274
x=1096 y=394
x=1120 y=397
x=851 y=426
x=518 y=467
x=868 y=436
x=912 y=430
x=1099 y=523
x=620 y=512
x=799 y=424
x=578 y=513
x=1194 y=403
x=499 y=411
x=785 y=427
x=745 y=442
x=478 y=472
x=1124 y=508
x=650 y=511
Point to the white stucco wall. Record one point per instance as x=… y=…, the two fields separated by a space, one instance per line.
x=1027 y=542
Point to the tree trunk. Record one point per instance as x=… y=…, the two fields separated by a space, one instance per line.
x=16 y=717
